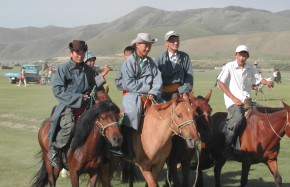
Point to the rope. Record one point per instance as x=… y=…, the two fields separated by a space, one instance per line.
x=196 y=170
x=287 y=124
x=102 y=128
x=167 y=178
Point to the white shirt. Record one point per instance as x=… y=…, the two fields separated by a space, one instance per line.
x=239 y=81
x=173 y=57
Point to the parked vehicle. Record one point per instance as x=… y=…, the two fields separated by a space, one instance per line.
x=31 y=74
x=13 y=77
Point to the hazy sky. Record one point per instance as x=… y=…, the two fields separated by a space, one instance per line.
x=71 y=13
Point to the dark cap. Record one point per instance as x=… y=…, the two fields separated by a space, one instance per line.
x=77 y=45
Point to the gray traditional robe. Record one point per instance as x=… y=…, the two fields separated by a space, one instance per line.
x=138 y=81
x=71 y=81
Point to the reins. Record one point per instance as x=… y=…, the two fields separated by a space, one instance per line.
x=286 y=126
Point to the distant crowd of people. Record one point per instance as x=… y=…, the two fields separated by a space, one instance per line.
x=45 y=75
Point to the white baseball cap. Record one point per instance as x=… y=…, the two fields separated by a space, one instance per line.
x=169 y=34
x=242 y=48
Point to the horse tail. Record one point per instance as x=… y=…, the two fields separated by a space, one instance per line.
x=129 y=170
x=41 y=177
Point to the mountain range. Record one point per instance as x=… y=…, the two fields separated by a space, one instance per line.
x=208 y=33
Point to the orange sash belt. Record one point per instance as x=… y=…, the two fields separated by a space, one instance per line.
x=125 y=92
x=171 y=87
x=145 y=102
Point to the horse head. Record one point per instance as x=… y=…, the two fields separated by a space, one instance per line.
x=203 y=116
x=287 y=128
x=102 y=95
x=99 y=121
x=183 y=121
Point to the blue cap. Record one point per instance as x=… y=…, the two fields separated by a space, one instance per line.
x=89 y=55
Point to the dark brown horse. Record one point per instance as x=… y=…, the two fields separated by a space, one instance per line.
x=259 y=142
x=153 y=143
x=180 y=153
x=86 y=153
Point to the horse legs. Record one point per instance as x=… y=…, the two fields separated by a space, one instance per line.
x=246 y=165
x=53 y=173
x=217 y=170
x=185 y=173
x=172 y=174
x=92 y=180
x=199 y=182
x=147 y=174
x=74 y=178
x=273 y=167
x=106 y=175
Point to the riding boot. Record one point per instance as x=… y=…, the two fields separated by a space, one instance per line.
x=54 y=157
x=229 y=147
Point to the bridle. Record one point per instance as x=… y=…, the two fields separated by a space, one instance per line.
x=102 y=128
x=179 y=126
x=286 y=126
x=207 y=116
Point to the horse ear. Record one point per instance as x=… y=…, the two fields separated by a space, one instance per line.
x=207 y=97
x=97 y=101
x=107 y=90
x=185 y=97
x=175 y=97
x=287 y=107
x=191 y=96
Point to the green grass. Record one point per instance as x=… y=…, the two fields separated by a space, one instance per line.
x=22 y=109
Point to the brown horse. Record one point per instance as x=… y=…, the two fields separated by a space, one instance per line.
x=180 y=153
x=259 y=142
x=153 y=143
x=86 y=153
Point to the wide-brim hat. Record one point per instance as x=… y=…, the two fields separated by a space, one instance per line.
x=89 y=55
x=143 y=38
x=78 y=45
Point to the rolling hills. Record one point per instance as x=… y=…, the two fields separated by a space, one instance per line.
x=207 y=34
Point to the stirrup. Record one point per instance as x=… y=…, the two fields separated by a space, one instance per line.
x=54 y=159
x=116 y=152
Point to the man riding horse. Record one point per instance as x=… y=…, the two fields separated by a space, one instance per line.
x=236 y=80
x=72 y=85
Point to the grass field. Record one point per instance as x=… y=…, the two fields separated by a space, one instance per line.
x=22 y=109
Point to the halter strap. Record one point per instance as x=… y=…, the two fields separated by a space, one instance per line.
x=286 y=126
x=102 y=127
x=179 y=126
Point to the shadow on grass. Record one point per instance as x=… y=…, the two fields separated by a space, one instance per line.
x=227 y=179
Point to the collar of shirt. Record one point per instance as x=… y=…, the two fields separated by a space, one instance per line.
x=142 y=62
x=236 y=65
x=173 y=57
x=171 y=54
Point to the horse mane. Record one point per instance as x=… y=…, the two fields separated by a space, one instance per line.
x=267 y=109
x=87 y=120
x=200 y=97
x=161 y=106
